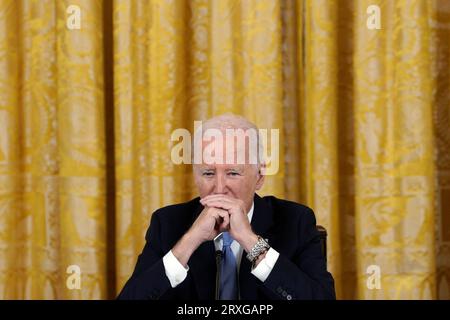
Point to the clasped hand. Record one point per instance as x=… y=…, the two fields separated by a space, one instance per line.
x=222 y=213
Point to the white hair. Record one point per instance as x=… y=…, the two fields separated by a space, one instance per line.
x=233 y=121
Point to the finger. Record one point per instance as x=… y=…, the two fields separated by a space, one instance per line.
x=229 y=206
x=224 y=199
x=219 y=204
x=216 y=211
x=218 y=196
x=226 y=219
x=218 y=214
x=222 y=219
x=217 y=219
x=214 y=214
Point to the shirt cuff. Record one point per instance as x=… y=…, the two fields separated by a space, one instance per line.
x=266 y=265
x=175 y=271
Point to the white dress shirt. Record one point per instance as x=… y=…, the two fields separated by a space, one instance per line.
x=176 y=272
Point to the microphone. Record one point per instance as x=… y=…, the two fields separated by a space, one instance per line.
x=218 y=267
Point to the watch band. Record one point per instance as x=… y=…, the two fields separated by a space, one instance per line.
x=259 y=248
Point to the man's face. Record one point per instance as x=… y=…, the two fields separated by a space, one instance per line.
x=239 y=181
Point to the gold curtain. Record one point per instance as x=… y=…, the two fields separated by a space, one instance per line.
x=52 y=164
x=364 y=120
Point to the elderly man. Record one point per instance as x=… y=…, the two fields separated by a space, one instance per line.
x=195 y=250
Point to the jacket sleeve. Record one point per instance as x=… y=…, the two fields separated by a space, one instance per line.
x=149 y=280
x=305 y=276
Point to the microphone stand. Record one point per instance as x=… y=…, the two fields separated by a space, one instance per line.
x=218 y=270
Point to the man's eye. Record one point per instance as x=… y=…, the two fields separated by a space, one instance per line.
x=208 y=174
x=233 y=173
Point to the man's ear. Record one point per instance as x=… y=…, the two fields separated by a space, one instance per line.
x=261 y=175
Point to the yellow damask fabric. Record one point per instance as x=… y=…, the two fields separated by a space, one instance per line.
x=363 y=114
x=52 y=170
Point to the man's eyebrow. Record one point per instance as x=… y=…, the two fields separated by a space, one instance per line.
x=234 y=169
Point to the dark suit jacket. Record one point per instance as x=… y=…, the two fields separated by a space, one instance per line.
x=299 y=273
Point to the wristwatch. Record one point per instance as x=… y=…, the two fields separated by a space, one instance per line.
x=259 y=248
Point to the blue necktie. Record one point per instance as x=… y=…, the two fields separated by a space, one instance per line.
x=228 y=275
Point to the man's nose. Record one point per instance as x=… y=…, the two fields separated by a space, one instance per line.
x=220 y=185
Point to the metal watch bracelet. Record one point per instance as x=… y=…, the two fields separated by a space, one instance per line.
x=260 y=247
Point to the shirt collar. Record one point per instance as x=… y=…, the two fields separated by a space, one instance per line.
x=250 y=213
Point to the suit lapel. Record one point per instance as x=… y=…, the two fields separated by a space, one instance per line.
x=262 y=220
x=203 y=268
